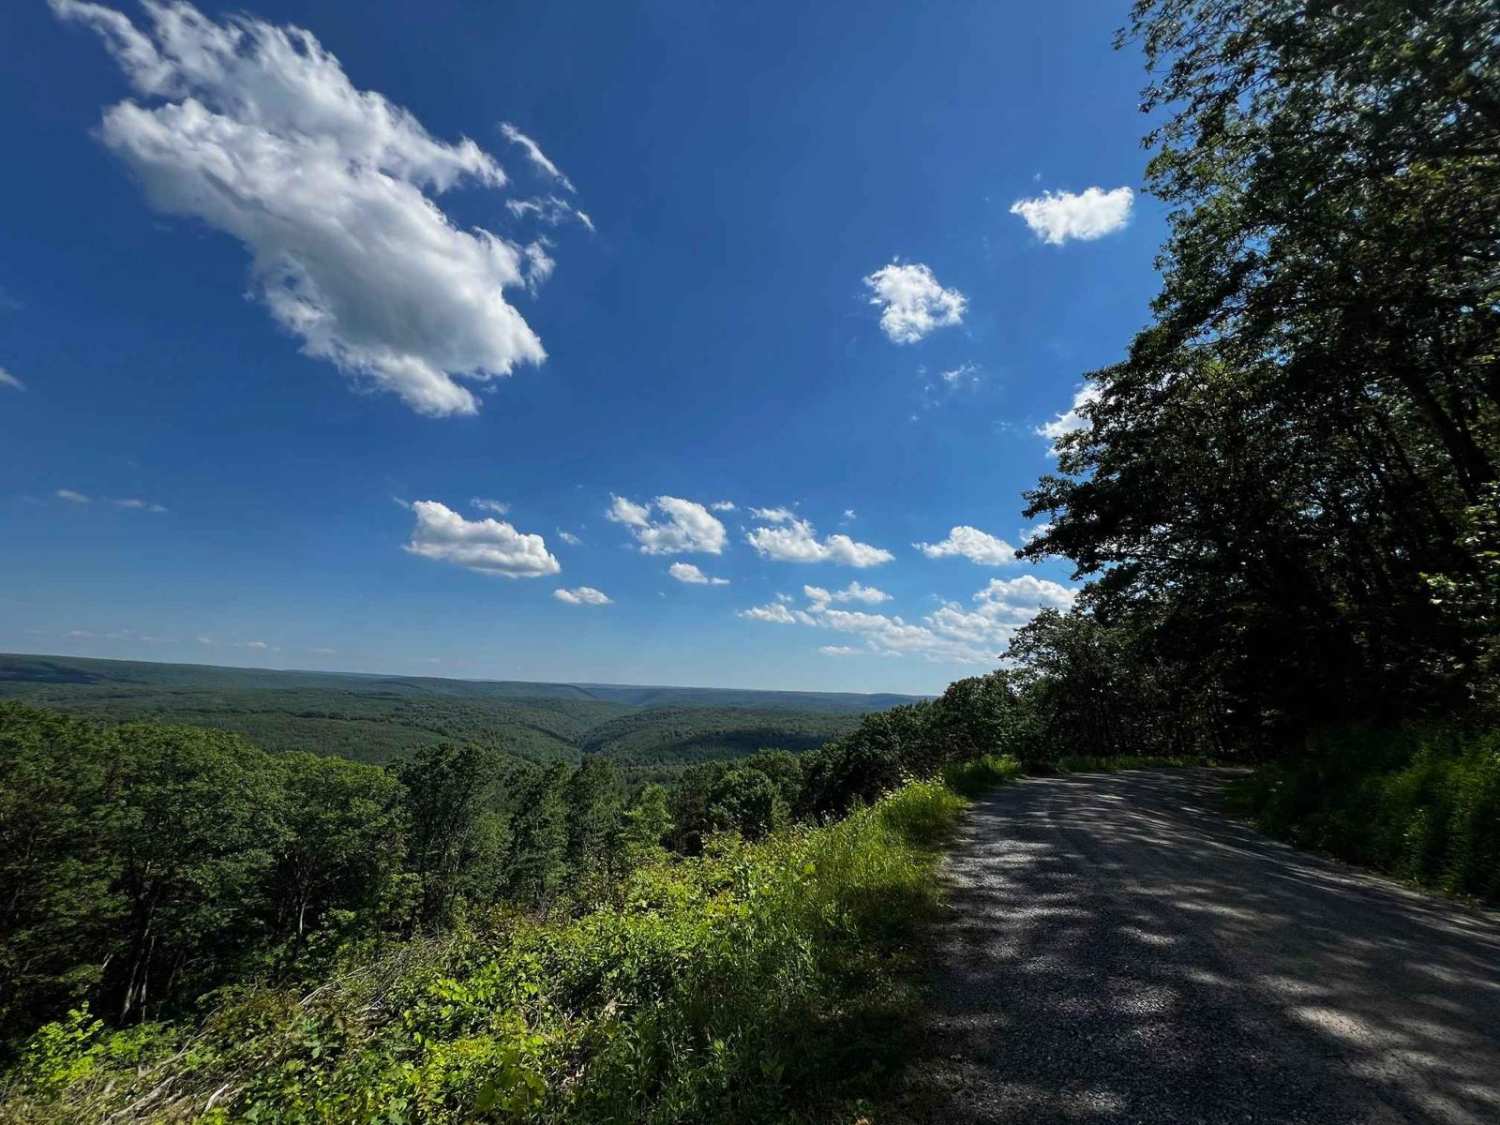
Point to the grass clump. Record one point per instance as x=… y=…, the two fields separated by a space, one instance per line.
x=1420 y=804
x=757 y=982
x=973 y=777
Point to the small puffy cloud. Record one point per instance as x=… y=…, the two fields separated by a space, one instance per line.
x=11 y=381
x=568 y=537
x=499 y=507
x=70 y=496
x=257 y=645
x=912 y=304
x=972 y=544
x=722 y=506
x=489 y=546
x=686 y=527
x=789 y=539
x=1074 y=418
x=1057 y=217
x=534 y=153
x=854 y=592
x=842 y=650
x=138 y=505
x=581 y=595
x=255 y=130
x=687 y=572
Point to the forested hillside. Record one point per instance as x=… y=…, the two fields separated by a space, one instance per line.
x=385 y=718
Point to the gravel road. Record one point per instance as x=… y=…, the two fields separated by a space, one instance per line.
x=1115 y=949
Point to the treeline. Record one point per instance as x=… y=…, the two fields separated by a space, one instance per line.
x=149 y=867
x=1285 y=497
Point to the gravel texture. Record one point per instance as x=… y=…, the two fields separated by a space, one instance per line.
x=1116 y=950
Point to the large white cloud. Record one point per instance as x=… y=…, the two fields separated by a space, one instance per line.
x=489 y=546
x=789 y=539
x=952 y=634
x=912 y=303
x=972 y=544
x=690 y=574
x=1072 y=419
x=256 y=130
x=686 y=527
x=1057 y=217
x=582 y=595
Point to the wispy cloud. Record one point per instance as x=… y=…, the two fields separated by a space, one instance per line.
x=539 y=159
x=11 y=381
x=71 y=496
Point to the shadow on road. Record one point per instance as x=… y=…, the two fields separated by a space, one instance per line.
x=1115 y=949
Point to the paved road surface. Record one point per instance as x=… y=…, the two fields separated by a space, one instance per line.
x=1116 y=950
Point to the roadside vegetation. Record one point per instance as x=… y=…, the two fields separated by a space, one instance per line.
x=199 y=929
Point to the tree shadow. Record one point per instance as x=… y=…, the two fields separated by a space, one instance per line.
x=1115 y=949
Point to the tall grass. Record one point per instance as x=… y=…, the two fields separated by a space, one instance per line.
x=1423 y=805
x=757 y=983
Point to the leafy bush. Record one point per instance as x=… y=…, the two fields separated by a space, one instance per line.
x=1421 y=804
x=973 y=778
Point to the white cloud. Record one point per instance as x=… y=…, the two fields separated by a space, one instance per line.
x=256 y=130
x=137 y=505
x=790 y=539
x=972 y=544
x=1073 y=418
x=843 y=650
x=953 y=634
x=547 y=209
x=568 y=537
x=687 y=572
x=489 y=546
x=582 y=595
x=722 y=506
x=499 y=507
x=1034 y=532
x=778 y=613
x=688 y=527
x=912 y=303
x=1056 y=217
x=535 y=154
x=849 y=515
x=257 y=644
x=773 y=515
x=964 y=375
x=854 y=592
x=1000 y=609
x=70 y=496
x=9 y=380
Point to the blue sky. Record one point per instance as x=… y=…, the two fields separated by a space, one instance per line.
x=275 y=313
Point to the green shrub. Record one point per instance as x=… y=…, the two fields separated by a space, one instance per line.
x=1420 y=804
